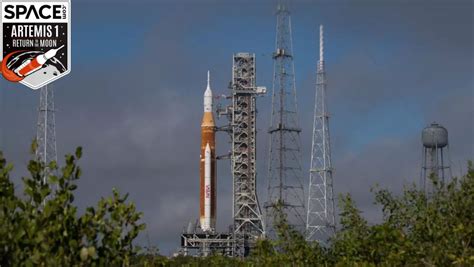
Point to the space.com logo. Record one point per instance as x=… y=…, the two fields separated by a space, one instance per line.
x=43 y=12
x=35 y=47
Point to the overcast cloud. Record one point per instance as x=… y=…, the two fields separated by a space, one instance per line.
x=134 y=97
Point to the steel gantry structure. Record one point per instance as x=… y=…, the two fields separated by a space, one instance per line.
x=247 y=217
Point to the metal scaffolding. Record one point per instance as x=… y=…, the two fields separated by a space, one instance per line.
x=247 y=216
x=285 y=187
x=320 y=217
x=248 y=221
x=206 y=244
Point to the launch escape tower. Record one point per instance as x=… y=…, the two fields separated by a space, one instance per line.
x=285 y=187
x=435 y=150
x=320 y=217
x=46 y=128
x=248 y=222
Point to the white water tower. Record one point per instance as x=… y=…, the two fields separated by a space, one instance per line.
x=435 y=153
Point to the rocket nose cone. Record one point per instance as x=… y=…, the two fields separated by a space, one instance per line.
x=208 y=148
x=52 y=52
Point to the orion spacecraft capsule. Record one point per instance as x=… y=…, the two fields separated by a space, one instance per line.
x=208 y=164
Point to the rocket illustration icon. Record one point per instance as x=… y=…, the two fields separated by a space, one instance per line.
x=32 y=65
x=208 y=164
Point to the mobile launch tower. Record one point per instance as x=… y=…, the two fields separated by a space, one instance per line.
x=248 y=221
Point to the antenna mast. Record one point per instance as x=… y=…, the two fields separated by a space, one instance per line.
x=320 y=217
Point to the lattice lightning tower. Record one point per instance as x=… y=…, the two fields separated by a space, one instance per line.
x=320 y=218
x=46 y=130
x=284 y=168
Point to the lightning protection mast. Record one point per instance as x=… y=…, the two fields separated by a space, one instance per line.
x=285 y=187
x=320 y=218
x=46 y=129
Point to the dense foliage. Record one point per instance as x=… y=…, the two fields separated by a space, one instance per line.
x=42 y=226
x=418 y=229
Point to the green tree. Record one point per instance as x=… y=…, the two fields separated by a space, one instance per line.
x=418 y=229
x=432 y=229
x=288 y=248
x=42 y=226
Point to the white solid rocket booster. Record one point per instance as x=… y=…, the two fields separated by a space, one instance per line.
x=207 y=187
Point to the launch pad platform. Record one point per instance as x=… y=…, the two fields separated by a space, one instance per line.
x=205 y=244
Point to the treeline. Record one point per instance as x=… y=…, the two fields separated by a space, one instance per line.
x=418 y=229
x=42 y=227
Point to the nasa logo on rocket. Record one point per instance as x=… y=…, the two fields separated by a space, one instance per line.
x=35 y=46
x=208 y=191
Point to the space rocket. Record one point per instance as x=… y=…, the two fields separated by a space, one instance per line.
x=208 y=164
x=35 y=64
